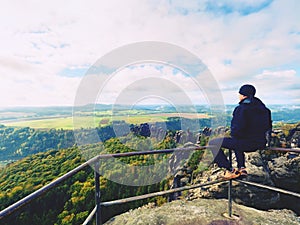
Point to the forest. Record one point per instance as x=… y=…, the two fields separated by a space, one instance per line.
x=19 y=142
x=71 y=202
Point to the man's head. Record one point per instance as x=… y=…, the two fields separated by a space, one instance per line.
x=247 y=90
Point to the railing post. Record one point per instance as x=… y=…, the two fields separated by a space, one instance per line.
x=97 y=194
x=230 y=186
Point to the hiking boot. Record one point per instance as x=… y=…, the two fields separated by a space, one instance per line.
x=228 y=175
x=243 y=172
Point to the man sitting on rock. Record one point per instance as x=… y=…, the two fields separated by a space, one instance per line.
x=250 y=122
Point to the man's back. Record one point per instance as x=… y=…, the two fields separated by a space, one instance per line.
x=251 y=120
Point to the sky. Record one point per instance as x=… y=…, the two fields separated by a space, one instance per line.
x=48 y=47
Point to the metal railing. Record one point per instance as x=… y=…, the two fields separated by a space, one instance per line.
x=94 y=161
x=96 y=212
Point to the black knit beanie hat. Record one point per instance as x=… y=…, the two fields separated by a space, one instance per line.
x=247 y=90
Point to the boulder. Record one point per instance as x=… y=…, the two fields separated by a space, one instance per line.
x=243 y=194
x=285 y=171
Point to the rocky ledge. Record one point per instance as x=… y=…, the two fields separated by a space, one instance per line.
x=203 y=212
x=282 y=172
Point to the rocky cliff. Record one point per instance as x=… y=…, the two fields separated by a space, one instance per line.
x=264 y=168
x=203 y=212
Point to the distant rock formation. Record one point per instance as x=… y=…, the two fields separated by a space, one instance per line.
x=292 y=140
x=294 y=137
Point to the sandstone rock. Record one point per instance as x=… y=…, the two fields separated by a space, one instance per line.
x=285 y=173
x=264 y=167
x=285 y=170
x=203 y=212
x=243 y=194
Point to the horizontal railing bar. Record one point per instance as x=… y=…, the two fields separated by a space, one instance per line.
x=149 y=152
x=269 y=188
x=297 y=150
x=90 y=216
x=155 y=194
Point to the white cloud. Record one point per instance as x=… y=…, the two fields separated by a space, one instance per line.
x=279 y=86
x=23 y=84
x=39 y=39
x=273 y=87
x=146 y=80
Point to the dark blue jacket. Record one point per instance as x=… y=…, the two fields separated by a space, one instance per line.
x=251 y=120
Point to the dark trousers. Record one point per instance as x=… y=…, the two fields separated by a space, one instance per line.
x=239 y=147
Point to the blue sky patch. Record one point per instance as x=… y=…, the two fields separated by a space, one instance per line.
x=74 y=72
x=218 y=8
x=227 y=61
x=246 y=10
x=243 y=8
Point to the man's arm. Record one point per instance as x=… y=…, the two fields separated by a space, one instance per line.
x=238 y=122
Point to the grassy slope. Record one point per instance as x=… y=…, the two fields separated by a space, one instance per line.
x=91 y=121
